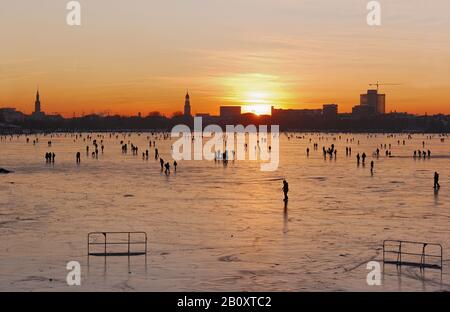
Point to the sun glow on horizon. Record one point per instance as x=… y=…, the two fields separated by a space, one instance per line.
x=256 y=92
x=257 y=109
x=286 y=54
x=257 y=102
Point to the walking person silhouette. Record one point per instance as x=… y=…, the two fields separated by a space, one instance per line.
x=285 y=190
x=437 y=186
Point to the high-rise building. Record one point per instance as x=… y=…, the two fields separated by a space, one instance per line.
x=376 y=101
x=187 y=106
x=371 y=103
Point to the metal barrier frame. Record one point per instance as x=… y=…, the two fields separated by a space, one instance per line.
x=106 y=243
x=422 y=264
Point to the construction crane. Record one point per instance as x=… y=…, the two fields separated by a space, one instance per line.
x=378 y=84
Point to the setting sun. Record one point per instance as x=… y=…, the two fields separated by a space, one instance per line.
x=255 y=92
x=257 y=109
x=258 y=103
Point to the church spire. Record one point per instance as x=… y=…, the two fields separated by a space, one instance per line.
x=37 y=103
x=187 y=105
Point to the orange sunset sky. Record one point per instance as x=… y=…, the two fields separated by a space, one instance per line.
x=142 y=55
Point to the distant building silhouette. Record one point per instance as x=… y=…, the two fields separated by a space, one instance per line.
x=373 y=99
x=37 y=114
x=330 y=111
x=369 y=115
x=208 y=118
x=37 y=103
x=371 y=103
x=227 y=112
x=203 y=115
x=295 y=113
x=363 y=111
x=11 y=115
x=187 y=106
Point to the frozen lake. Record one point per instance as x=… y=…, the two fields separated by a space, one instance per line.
x=216 y=228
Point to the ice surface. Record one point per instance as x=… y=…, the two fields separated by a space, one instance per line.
x=214 y=228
